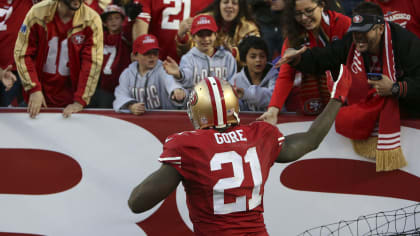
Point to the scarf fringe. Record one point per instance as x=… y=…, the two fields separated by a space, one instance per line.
x=366 y=147
x=386 y=160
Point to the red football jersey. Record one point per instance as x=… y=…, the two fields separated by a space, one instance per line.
x=224 y=175
x=12 y=14
x=117 y=49
x=55 y=72
x=95 y=6
x=403 y=12
x=164 y=17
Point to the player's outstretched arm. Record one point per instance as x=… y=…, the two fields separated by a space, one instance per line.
x=297 y=145
x=154 y=189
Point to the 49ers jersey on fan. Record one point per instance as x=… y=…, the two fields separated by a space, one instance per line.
x=164 y=17
x=12 y=14
x=224 y=175
x=403 y=12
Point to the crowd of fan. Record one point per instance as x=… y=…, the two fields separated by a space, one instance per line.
x=149 y=60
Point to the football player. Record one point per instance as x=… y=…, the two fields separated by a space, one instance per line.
x=224 y=165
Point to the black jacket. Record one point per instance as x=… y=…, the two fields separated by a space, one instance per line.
x=406 y=48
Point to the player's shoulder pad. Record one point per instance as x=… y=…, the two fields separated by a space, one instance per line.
x=181 y=136
x=262 y=124
x=268 y=127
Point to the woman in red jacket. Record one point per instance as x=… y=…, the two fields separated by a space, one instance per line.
x=307 y=23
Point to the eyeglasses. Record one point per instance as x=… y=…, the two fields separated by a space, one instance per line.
x=306 y=12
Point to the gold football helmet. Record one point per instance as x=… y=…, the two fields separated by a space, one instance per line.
x=213 y=103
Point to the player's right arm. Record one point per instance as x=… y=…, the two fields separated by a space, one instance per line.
x=297 y=145
x=154 y=188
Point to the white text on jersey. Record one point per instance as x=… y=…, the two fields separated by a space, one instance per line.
x=231 y=137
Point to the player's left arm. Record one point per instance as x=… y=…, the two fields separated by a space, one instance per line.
x=154 y=189
x=297 y=145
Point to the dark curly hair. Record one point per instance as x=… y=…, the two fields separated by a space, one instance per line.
x=295 y=32
x=251 y=42
x=244 y=11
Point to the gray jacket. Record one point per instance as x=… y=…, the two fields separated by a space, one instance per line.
x=155 y=87
x=195 y=66
x=256 y=97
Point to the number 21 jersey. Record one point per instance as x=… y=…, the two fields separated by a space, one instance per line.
x=224 y=175
x=164 y=18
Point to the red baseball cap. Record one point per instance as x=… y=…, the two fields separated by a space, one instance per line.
x=145 y=43
x=203 y=22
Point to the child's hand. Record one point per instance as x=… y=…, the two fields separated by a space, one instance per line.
x=184 y=27
x=8 y=78
x=171 y=67
x=137 y=108
x=178 y=95
x=240 y=92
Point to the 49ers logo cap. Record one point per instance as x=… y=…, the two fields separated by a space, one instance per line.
x=203 y=22
x=363 y=23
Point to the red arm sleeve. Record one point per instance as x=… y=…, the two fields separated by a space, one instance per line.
x=146 y=14
x=284 y=83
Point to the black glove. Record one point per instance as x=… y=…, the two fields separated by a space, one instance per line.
x=133 y=9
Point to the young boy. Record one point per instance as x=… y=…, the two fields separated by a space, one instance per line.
x=117 y=49
x=203 y=60
x=145 y=84
x=254 y=84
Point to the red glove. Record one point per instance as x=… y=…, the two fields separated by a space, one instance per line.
x=339 y=88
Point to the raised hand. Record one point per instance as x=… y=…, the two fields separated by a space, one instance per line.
x=171 y=67
x=7 y=78
x=339 y=88
x=184 y=27
x=290 y=55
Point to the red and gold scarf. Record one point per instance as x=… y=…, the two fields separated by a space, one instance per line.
x=372 y=121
